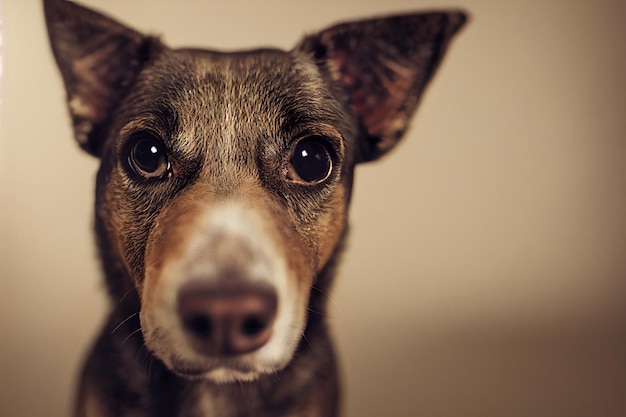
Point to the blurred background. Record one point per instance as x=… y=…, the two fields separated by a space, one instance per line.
x=486 y=269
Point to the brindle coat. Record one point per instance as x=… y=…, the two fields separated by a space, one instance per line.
x=227 y=124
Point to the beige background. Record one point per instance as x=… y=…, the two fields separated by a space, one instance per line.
x=485 y=274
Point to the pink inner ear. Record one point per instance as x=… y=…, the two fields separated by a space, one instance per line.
x=377 y=90
x=89 y=108
x=93 y=97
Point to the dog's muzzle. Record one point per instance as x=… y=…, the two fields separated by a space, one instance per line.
x=222 y=303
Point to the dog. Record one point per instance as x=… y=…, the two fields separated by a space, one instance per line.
x=222 y=200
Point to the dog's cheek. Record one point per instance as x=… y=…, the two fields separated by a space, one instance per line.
x=124 y=227
x=332 y=224
x=320 y=227
x=307 y=246
x=132 y=231
x=129 y=212
x=295 y=246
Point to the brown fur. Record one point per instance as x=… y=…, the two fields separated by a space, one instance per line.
x=226 y=203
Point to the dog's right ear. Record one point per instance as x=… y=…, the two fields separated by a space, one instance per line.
x=99 y=59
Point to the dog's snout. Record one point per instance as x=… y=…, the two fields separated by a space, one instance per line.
x=226 y=320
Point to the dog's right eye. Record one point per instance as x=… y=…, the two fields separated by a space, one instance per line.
x=147 y=157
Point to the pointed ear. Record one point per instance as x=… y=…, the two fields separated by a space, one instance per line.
x=99 y=59
x=383 y=66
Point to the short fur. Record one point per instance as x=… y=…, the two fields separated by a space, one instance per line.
x=226 y=204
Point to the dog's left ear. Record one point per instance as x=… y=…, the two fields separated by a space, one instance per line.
x=99 y=59
x=383 y=66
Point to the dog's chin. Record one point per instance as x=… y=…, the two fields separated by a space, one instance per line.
x=219 y=372
x=218 y=375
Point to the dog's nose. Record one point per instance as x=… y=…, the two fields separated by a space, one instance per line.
x=226 y=320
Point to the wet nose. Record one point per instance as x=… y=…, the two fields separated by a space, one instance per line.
x=226 y=320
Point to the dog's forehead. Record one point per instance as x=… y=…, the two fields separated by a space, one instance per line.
x=270 y=89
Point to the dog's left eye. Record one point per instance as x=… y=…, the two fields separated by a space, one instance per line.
x=310 y=162
x=147 y=157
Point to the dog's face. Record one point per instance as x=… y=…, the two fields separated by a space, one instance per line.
x=226 y=177
x=225 y=168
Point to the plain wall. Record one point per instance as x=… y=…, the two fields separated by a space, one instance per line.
x=486 y=269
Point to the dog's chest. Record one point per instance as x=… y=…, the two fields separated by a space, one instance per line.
x=206 y=401
x=204 y=404
x=236 y=401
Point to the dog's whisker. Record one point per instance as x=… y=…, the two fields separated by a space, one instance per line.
x=146 y=354
x=130 y=335
x=122 y=322
x=276 y=375
x=318 y=312
x=150 y=363
x=306 y=340
x=329 y=300
x=126 y=294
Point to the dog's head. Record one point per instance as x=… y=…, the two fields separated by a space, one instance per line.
x=225 y=177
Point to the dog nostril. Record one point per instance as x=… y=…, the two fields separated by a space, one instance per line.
x=252 y=326
x=199 y=325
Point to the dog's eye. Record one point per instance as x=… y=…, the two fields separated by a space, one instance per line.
x=147 y=156
x=310 y=162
